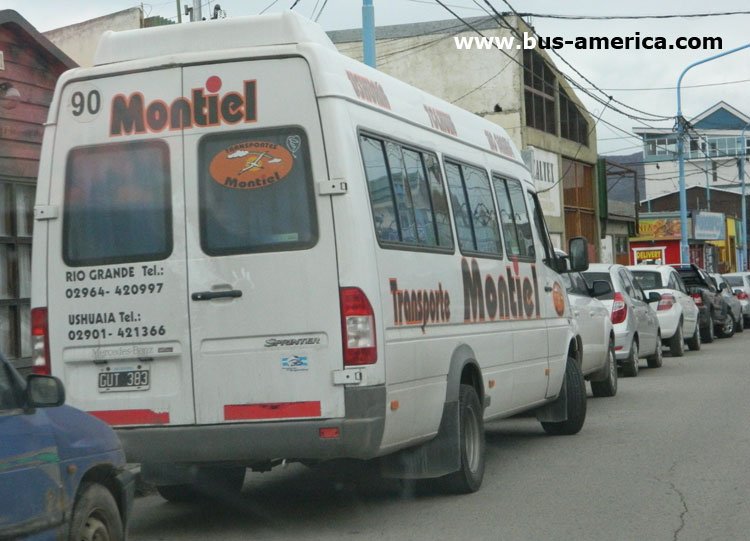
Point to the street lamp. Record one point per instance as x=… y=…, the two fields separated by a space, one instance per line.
x=680 y=128
x=368 y=32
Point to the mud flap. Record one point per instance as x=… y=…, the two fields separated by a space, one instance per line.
x=555 y=411
x=435 y=458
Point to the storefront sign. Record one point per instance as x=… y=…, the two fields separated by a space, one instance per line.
x=546 y=174
x=659 y=228
x=653 y=254
x=709 y=226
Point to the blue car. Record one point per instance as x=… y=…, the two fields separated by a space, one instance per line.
x=62 y=472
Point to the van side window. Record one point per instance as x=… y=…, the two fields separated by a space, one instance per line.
x=541 y=230
x=473 y=209
x=514 y=218
x=406 y=192
x=117 y=204
x=256 y=192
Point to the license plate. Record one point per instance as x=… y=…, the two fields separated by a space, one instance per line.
x=124 y=380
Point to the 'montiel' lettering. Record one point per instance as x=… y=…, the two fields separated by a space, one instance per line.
x=131 y=115
x=509 y=296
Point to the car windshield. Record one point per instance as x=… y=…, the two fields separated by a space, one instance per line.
x=648 y=279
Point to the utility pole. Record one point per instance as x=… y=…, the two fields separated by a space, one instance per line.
x=680 y=129
x=743 y=251
x=179 y=12
x=197 y=13
x=368 y=32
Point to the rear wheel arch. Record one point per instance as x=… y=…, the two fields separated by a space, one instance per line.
x=464 y=369
x=575 y=350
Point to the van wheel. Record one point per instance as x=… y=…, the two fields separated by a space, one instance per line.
x=608 y=387
x=95 y=515
x=575 y=390
x=468 y=479
x=630 y=368
x=657 y=359
x=694 y=342
x=739 y=324
x=212 y=483
x=677 y=343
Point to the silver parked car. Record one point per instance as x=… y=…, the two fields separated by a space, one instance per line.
x=636 y=326
x=677 y=312
x=596 y=333
x=740 y=282
x=734 y=304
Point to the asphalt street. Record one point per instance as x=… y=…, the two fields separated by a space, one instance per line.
x=664 y=459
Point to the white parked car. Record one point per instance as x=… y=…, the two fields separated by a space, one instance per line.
x=733 y=302
x=740 y=282
x=677 y=312
x=597 y=335
x=636 y=326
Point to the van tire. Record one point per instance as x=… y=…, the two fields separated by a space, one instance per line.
x=575 y=388
x=469 y=477
x=607 y=387
x=677 y=343
x=95 y=515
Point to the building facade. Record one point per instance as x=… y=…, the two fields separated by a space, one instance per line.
x=29 y=67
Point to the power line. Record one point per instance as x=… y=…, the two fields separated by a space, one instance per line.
x=632 y=17
x=269 y=6
x=674 y=87
x=325 y=3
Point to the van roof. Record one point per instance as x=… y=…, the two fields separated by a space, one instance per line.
x=236 y=33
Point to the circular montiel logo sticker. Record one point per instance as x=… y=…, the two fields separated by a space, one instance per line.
x=251 y=164
x=558 y=298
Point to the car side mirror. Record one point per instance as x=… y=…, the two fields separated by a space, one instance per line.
x=44 y=392
x=653 y=296
x=722 y=286
x=599 y=288
x=578 y=254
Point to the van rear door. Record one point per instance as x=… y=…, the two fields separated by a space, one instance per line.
x=262 y=274
x=116 y=270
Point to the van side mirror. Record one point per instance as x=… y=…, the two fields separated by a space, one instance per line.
x=44 y=392
x=722 y=286
x=578 y=254
x=600 y=288
x=653 y=296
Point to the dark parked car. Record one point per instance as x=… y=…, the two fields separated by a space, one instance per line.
x=714 y=317
x=62 y=472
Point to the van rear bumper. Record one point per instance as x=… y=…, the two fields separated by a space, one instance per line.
x=360 y=436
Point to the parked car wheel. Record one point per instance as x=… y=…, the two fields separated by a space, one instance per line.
x=727 y=330
x=708 y=334
x=95 y=515
x=575 y=389
x=694 y=342
x=607 y=387
x=677 y=343
x=630 y=368
x=468 y=479
x=657 y=359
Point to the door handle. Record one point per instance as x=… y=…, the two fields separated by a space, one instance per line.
x=548 y=289
x=208 y=295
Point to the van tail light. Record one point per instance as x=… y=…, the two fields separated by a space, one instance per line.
x=39 y=342
x=741 y=295
x=357 y=327
x=667 y=302
x=619 y=309
x=697 y=298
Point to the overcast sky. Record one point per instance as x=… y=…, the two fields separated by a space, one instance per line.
x=614 y=70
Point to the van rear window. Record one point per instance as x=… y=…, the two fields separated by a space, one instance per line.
x=117 y=204
x=256 y=192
